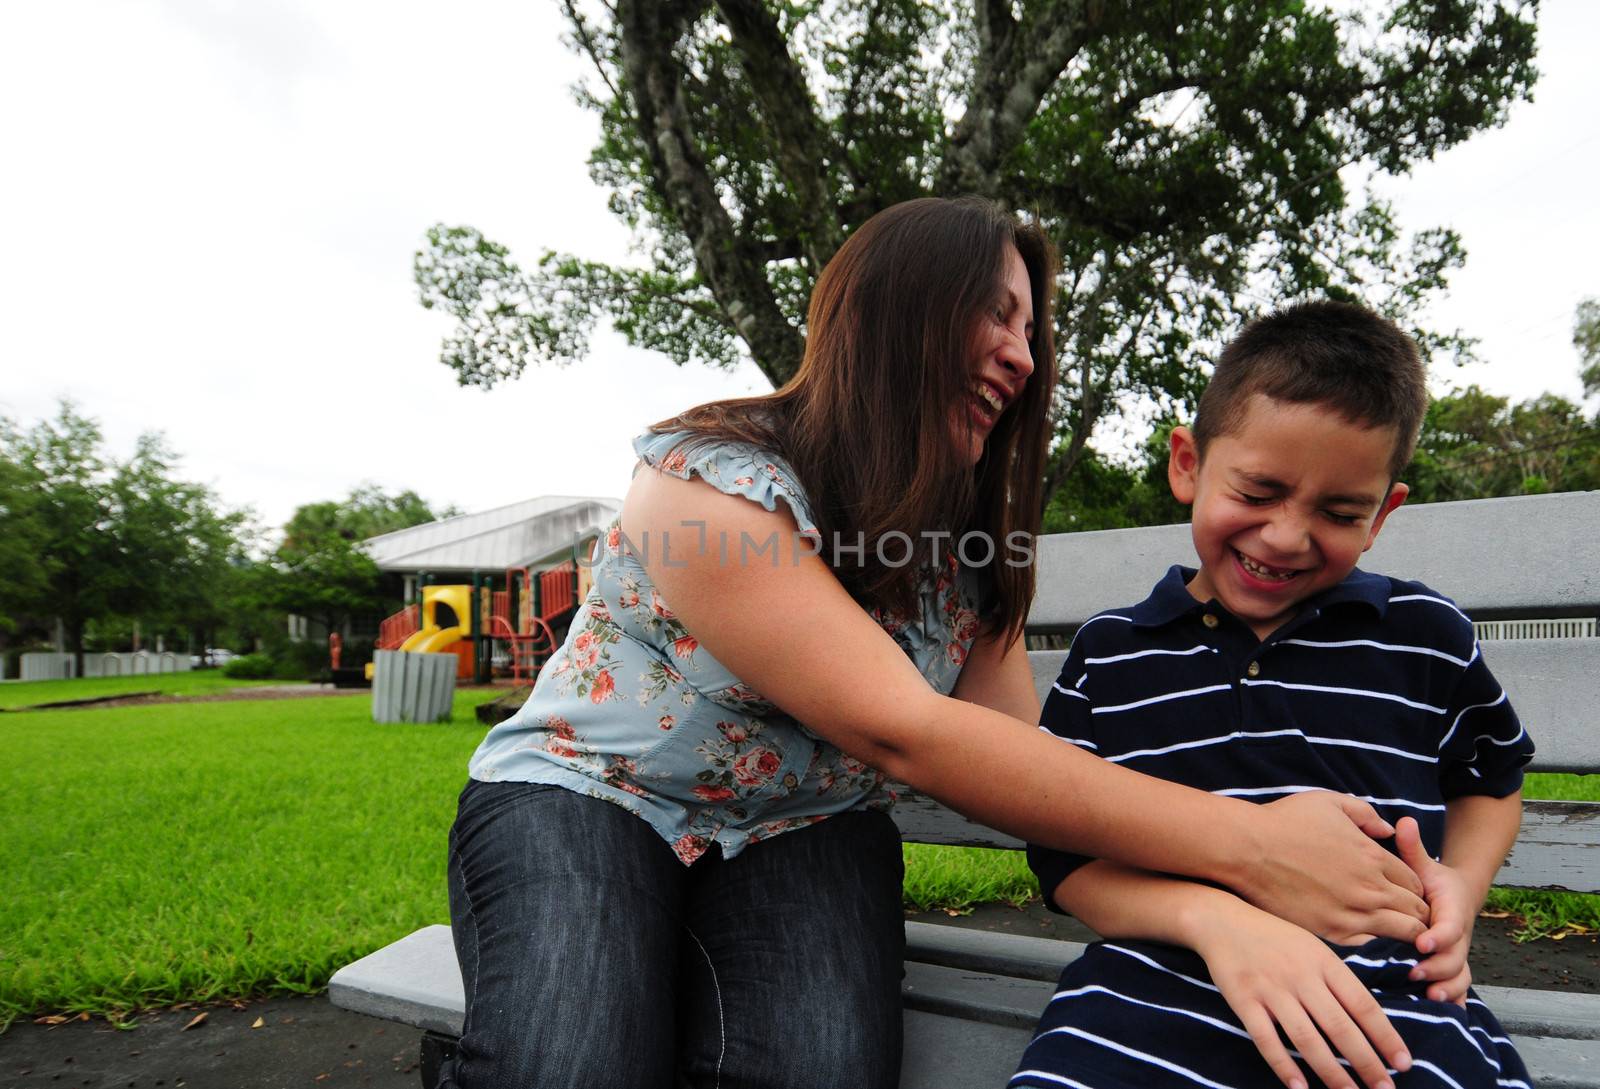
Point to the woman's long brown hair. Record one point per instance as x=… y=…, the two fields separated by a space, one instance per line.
x=866 y=422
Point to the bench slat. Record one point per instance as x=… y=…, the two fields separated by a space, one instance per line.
x=415 y=981
x=1554 y=684
x=1550 y=541
x=942 y=1052
x=1558 y=847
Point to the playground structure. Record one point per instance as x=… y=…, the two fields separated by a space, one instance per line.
x=506 y=631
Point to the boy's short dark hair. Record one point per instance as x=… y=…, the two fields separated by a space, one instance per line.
x=1356 y=362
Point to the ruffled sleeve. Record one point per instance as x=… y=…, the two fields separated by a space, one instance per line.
x=734 y=468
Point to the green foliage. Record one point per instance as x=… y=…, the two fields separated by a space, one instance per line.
x=302 y=661
x=254 y=667
x=319 y=569
x=1189 y=159
x=25 y=565
x=1475 y=445
x=1586 y=338
x=87 y=538
x=1100 y=494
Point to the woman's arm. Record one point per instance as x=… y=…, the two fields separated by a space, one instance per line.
x=1271 y=973
x=999 y=677
x=784 y=624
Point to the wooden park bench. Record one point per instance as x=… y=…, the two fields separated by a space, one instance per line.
x=972 y=998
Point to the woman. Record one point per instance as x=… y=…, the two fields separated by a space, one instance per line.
x=673 y=865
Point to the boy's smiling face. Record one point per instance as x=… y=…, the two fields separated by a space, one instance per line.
x=1284 y=505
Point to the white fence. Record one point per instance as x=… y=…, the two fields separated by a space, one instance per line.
x=46 y=666
x=51 y=666
x=136 y=664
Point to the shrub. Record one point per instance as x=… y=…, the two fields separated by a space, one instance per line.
x=300 y=661
x=356 y=652
x=249 y=667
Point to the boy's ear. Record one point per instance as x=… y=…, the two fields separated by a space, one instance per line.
x=1183 y=464
x=1397 y=495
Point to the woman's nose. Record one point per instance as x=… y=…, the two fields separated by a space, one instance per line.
x=1014 y=354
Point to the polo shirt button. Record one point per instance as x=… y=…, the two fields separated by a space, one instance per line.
x=1209 y=620
x=1254 y=669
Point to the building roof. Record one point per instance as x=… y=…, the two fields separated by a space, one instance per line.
x=532 y=533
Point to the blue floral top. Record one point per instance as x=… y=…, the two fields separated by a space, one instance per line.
x=633 y=710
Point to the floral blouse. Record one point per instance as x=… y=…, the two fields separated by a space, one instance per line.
x=631 y=709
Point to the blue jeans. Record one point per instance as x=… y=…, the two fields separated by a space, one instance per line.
x=592 y=957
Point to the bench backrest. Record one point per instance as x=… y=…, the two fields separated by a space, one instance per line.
x=1499 y=559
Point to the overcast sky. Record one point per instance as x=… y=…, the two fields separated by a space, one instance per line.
x=211 y=207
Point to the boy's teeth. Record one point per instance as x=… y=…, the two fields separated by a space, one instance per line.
x=1262 y=571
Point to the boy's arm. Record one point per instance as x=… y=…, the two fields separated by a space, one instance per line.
x=1478 y=834
x=1478 y=831
x=1481 y=757
x=1271 y=973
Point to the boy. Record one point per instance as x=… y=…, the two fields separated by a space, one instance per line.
x=1275 y=668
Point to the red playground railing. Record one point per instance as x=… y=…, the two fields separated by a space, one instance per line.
x=529 y=650
x=558 y=590
x=398 y=628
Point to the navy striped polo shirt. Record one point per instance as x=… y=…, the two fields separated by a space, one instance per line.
x=1376 y=688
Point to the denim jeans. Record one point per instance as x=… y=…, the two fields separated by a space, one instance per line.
x=592 y=957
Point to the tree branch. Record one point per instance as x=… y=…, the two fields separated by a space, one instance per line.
x=580 y=29
x=787 y=105
x=731 y=265
x=1016 y=67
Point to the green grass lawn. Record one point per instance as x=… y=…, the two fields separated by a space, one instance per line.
x=182 y=852
x=187 y=852
x=200 y=682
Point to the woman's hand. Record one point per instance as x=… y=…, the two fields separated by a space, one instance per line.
x=1275 y=975
x=1316 y=864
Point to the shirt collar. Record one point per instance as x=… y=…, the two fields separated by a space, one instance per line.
x=1171 y=600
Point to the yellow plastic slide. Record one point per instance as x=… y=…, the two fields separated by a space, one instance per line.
x=434 y=640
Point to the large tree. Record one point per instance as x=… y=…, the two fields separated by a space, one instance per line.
x=319 y=569
x=25 y=562
x=1586 y=338
x=1475 y=445
x=107 y=538
x=1194 y=161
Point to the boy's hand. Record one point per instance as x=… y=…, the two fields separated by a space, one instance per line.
x=1453 y=910
x=1274 y=974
